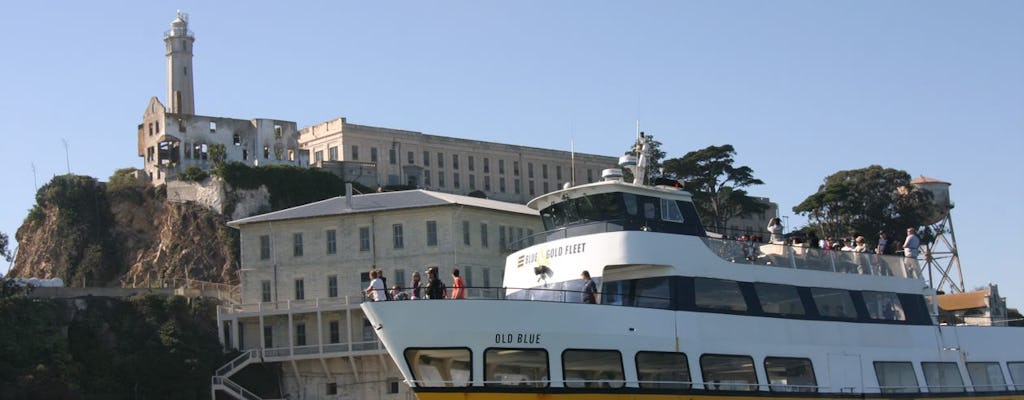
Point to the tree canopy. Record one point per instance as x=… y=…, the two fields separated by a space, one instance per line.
x=5 y=252
x=867 y=201
x=716 y=185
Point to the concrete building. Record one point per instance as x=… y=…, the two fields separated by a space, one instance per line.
x=173 y=138
x=304 y=270
x=983 y=307
x=445 y=164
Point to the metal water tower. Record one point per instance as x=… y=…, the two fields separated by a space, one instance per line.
x=942 y=259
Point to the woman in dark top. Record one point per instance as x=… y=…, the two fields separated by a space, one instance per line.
x=416 y=286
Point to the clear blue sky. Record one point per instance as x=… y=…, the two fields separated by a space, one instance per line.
x=802 y=89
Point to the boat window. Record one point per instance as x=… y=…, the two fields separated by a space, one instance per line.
x=600 y=207
x=630 y=200
x=650 y=208
x=661 y=370
x=670 y=211
x=943 y=377
x=728 y=372
x=516 y=367
x=653 y=293
x=592 y=368
x=1017 y=373
x=835 y=303
x=896 y=377
x=718 y=294
x=440 y=367
x=779 y=299
x=790 y=374
x=986 y=376
x=884 y=306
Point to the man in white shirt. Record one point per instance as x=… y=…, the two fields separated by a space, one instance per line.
x=376 y=289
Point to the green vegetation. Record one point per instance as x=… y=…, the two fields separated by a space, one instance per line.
x=101 y=348
x=717 y=186
x=84 y=223
x=5 y=252
x=288 y=186
x=125 y=185
x=193 y=173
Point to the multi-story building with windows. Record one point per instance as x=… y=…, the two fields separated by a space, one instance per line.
x=446 y=164
x=304 y=270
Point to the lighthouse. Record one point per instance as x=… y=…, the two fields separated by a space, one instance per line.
x=180 y=91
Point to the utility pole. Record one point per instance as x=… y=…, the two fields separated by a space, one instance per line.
x=67 y=154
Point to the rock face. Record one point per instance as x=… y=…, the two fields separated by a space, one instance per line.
x=127 y=235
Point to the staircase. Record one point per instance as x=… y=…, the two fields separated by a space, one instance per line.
x=221 y=379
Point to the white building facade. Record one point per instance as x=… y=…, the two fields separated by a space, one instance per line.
x=304 y=270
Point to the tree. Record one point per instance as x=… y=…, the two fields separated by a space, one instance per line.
x=867 y=201
x=4 y=251
x=716 y=185
x=218 y=154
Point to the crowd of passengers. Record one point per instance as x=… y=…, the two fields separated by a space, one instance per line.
x=433 y=289
x=857 y=244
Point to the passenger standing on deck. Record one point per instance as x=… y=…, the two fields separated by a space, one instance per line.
x=883 y=241
x=911 y=245
x=376 y=290
x=589 y=288
x=416 y=286
x=775 y=229
x=435 y=288
x=458 y=286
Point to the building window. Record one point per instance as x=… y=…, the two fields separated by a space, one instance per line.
x=399 y=277
x=440 y=160
x=278 y=132
x=332 y=153
x=455 y=180
x=264 y=247
x=501 y=167
x=558 y=172
x=440 y=178
x=396 y=236
x=465 y=233
x=545 y=187
x=213 y=126
x=472 y=182
x=300 y=289
x=265 y=291
x=318 y=156
x=544 y=171
x=590 y=176
x=487 y=165
x=392 y=386
x=268 y=336
x=335 y=331
x=483 y=235
x=530 y=185
x=355 y=152
x=426 y=158
x=517 y=186
x=332 y=241
x=412 y=158
x=431 y=233
x=392 y=156
x=332 y=286
x=297 y=245
x=300 y=334
x=529 y=170
x=426 y=177
x=332 y=388
x=455 y=161
x=373 y=154
x=364 y=238
x=515 y=168
x=470 y=160
x=502 y=239
x=487 y=183
x=501 y=184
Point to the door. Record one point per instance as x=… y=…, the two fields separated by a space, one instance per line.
x=844 y=373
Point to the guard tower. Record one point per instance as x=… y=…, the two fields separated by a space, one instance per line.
x=942 y=259
x=180 y=92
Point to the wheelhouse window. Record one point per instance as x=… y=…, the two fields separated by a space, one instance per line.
x=630 y=211
x=986 y=376
x=779 y=299
x=670 y=211
x=943 y=377
x=718 y=294
x=834 y=303
x=516 y=367
x=592 y=368
x=790 y=374
x=896 y=377
x=728 y=372
x=440 y=367
x=661 y=370
x=884 y=306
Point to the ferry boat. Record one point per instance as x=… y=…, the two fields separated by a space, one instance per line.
x=681 y=314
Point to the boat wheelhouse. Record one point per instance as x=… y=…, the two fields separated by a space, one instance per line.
x=681 y=314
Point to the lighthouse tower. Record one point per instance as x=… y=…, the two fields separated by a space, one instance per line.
x=180 y=92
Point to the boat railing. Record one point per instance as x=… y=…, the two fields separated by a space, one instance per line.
x=806 y=258
x=734 y=386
